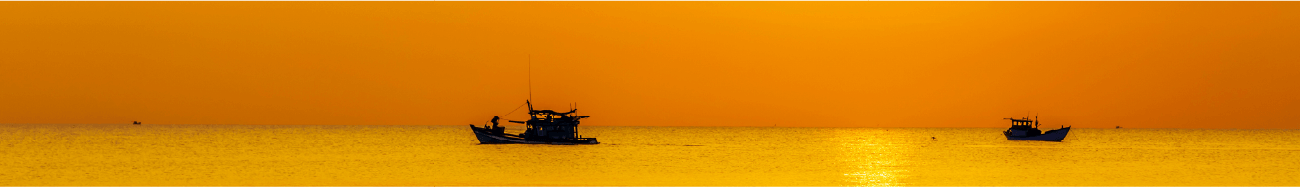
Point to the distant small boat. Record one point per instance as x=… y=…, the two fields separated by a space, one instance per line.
x=1021 y=129
x=1118 y=127
x=543 y=127
x=135 y=122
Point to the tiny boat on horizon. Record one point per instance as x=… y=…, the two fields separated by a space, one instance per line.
x=1026 y=129
x=543 y=127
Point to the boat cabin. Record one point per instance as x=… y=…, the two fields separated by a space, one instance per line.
x=1023 y=127
x=1024 y=123
x=551 y=125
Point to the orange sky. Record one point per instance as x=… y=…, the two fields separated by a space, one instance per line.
x=852 y=64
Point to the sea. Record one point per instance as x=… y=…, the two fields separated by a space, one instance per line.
x=381 y=155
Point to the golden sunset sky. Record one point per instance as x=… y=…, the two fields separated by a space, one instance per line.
x=790 y=64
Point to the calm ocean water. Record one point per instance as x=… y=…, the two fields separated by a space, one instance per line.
x=691 y=156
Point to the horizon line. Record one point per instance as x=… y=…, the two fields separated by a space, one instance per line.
x=624 y=126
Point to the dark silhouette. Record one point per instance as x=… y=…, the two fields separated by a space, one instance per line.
x=1026 y=129
x=494 y=121
x=543 y=127
x=495 y=129
x=135 y=122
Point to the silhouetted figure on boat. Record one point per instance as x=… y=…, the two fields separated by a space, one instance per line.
x=135 y=122
x=495 y=128
x=494 y=121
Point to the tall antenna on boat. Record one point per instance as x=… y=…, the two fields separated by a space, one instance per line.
x=530 y=78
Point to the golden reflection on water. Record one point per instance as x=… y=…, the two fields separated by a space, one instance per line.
x=874 y=160
x=162 y=155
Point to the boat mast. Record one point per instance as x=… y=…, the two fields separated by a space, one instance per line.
x=530 y=79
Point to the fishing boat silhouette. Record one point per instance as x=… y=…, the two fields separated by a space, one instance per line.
x=543 y=127
x=1026 y=129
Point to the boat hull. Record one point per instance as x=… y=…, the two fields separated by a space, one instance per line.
x=1052 y=135
x=486 y=136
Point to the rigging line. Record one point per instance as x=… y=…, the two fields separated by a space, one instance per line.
x=516 y=109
